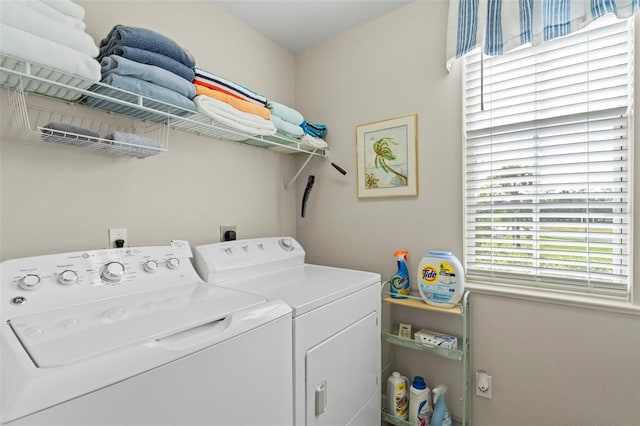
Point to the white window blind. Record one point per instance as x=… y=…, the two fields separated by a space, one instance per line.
x=547 y=162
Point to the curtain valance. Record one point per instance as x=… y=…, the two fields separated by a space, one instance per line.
x=502 y=25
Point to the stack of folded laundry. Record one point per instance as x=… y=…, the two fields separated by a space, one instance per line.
x=146 y=63
x=49 y=34
x=291 y=124
x=232 y=106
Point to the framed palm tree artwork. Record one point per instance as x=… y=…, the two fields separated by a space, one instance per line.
x=387 y=158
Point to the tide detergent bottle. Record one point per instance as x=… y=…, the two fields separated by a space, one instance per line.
x=440 y=279
x=400 y=281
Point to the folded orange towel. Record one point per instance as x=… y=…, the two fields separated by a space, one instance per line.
x=239 y=104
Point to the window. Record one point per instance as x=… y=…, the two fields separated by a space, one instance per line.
x=547 y=182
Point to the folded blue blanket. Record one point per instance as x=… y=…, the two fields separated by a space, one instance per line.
x=118 y=65
x=146 y=39
x=314 y=129
x=178 y=104
x=67 y=134
x=150 y=58
x=130 y=144
x=290 y=130
x=149 y=90
x=286 y=113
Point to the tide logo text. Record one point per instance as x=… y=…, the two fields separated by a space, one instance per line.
x=429 y=274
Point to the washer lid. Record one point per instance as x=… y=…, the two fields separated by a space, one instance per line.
x=66 y=336
x=307 y=287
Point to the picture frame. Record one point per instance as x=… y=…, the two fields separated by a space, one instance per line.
x=387 y=160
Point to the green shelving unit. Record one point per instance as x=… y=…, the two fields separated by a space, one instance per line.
x=460 y=355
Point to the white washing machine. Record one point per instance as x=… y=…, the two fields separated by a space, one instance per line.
x=336 y=324
x=133 y=336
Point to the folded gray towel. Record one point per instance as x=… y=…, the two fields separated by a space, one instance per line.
x=174 y=102
x=130 y=144
x=150 y=58
x=146 y=39
x=114 y=64
x=67 y=134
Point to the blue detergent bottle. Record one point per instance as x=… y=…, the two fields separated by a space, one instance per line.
x=441 y=415
x=400 y=281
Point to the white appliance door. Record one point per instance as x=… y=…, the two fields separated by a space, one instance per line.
x=341 y=374
x=245 y=380
x=66 y=336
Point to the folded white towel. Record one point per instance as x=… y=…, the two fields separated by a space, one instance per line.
x=235 y=119
x=67 y=7
x=21 y=44
x=313 y=141
x=22 y=16
x=226 y=110
x=49 y=11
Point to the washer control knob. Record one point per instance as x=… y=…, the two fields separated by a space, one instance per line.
x=29 y=282
x=68 y=277
x=113 y=272
x=286 y=244
x=150 y=266
x=173 y=263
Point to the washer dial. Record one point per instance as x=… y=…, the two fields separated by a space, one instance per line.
x=150 y=266
x=68 y=277
x=173 y=263
x=29 y=282
x=113 y=272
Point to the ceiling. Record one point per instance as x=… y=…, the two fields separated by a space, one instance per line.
x=297 y=24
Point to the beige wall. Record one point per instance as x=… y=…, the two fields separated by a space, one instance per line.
x=56 y=200
x=551 y=364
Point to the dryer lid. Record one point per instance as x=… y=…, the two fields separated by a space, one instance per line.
x=65 y=336
x=307 y=287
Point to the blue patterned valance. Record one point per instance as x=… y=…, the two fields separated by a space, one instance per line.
x=501 y=25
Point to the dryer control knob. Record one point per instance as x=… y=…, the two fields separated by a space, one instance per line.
x=173 y=263
x=150 y=266
x=29 y=282
x=68 y=277
x=286 y=244
x=113 y=272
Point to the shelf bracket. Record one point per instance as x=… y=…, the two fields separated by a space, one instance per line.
x=301 y=168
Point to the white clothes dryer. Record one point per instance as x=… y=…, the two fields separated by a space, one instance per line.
x=336 y=324
x=133 y=336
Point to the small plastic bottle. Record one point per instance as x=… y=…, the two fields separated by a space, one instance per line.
x=419 y=403
x=398 y=396
x=400 y=285
x=441 y=416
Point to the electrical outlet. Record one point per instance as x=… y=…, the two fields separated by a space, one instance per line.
x=484 y=386
x=117 y=234
x=227 y=232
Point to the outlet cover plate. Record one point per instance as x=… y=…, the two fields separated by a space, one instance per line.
x=224 y=229
x=484 y=387
x=117 y=234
